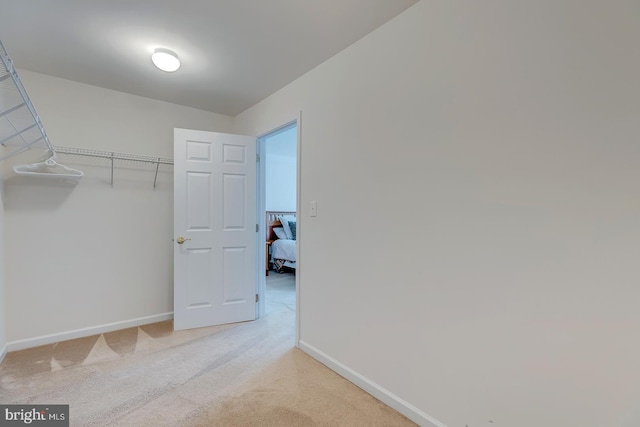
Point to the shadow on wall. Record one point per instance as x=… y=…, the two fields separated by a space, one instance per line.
x=27 y=193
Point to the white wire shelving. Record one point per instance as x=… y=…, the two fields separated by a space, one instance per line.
x=20 y=125
x=112 y=156
x=21 y=129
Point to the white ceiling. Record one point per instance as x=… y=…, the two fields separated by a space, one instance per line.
x=234 y=53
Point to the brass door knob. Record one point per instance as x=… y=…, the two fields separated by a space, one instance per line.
x=181 y=240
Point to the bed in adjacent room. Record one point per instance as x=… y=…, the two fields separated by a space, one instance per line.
x=281 y=240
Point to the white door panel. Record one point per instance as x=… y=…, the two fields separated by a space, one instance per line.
x=214 y=210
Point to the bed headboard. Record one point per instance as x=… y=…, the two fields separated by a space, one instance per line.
x=273 y=221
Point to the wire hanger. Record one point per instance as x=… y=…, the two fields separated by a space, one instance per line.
x=48 y=168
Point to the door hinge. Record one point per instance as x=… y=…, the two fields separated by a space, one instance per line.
x=258 y=158
x=257 y=297
x=257 y=228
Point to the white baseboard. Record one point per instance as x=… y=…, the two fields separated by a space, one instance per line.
x=86 y=332
x=380 y=393
x=3 y=353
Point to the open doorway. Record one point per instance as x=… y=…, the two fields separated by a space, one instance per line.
x=277 y=201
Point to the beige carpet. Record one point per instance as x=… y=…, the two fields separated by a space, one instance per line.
x=246 y=374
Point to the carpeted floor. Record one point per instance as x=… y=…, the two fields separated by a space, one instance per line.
x=245 y=374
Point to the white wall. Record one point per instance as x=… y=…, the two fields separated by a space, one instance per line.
x=88 y=255
x=280 y=170
x=476 y=169
x=3 y=306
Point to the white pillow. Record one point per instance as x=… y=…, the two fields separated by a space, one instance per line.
x=284 y=220
x=280 y=234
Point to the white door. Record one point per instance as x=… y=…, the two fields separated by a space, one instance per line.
x=215 y=214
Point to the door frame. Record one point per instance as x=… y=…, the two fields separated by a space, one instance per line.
x=261 y=280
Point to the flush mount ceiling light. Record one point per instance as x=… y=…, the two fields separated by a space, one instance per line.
x=165 y=59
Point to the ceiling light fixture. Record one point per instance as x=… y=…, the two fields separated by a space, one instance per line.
x=165 y=59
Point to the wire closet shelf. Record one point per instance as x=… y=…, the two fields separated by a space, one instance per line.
x=20 y=125
x=113 y=156
x=21 y=129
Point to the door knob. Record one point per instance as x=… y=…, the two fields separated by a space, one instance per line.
x=181 y=240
